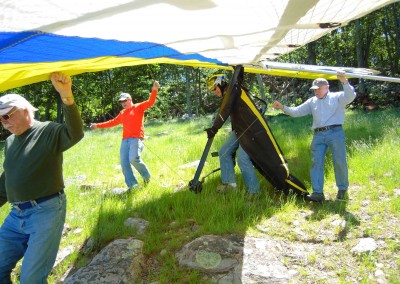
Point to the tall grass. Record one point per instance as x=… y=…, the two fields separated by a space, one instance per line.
x=176 y=215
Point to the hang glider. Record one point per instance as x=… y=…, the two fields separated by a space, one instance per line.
x=41 y=36
x=254 y=136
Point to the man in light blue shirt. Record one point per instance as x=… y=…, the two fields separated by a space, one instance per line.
x=328 y=110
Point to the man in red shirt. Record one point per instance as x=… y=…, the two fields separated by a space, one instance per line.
x=132 y=119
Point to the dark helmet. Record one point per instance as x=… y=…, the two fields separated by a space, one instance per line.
x=215 y=80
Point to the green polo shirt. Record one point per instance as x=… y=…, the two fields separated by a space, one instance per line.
x=33 y=160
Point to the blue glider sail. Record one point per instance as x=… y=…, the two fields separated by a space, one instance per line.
x=38 y=37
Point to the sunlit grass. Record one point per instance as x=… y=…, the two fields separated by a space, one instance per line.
x=91 y=171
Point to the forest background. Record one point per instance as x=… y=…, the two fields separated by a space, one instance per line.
x=370 y=42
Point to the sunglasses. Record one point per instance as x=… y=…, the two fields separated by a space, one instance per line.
x=122 y=101
x=8 y=115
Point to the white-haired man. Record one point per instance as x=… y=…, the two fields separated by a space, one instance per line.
x=32 y=182
x=328 y=112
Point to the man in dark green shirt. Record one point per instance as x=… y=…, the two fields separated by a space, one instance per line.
x=32 y=182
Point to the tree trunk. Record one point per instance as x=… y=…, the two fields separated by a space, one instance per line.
x=189 y=106
x=389 y=52
x=312 y=55
x=396 y=35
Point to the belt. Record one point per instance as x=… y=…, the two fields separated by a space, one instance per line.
x=31 y=203
x=326 y=127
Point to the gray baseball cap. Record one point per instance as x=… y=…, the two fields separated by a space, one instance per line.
x=318 y=83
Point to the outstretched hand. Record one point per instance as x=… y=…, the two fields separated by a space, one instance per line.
x=277 y=105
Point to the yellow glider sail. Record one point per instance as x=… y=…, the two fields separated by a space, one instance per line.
x=38 y=37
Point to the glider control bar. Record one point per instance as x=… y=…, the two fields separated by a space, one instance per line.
x=329 y=70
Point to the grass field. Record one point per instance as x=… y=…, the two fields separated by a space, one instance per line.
x=91 y=169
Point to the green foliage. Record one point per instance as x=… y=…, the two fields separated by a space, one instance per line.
x=367 y=42
x=370 y=42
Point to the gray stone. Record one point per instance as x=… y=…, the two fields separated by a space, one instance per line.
x=262 y=262
x=116 y=191
x=233 y=259
x=191 y=165
x=119 y=262
x=365 y=245
x=214 y=254
x=62 y=254
x=138 y=224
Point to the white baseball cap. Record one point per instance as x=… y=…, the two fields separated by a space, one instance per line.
x=7 y=102
x=124 y=97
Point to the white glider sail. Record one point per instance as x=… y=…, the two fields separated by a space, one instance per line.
x=76 y=36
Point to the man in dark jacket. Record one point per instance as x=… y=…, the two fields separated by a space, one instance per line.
x=254 y=135
x=219 y=86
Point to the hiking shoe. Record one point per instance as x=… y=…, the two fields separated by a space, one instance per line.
x=135 y=186
x=342 y=195
x=316 y=197
x=224 y=188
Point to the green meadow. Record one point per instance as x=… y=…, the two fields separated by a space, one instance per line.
x=91 y=171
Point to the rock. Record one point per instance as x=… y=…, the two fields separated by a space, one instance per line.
x=118 y=262
x=87 y=187
x=116 y=191
x=262 y=262
x=210 y=253
x=138 y=224
x=63 y=253
x=162 y=133
x=365 y=245
x=190 y=165
x=233 y=259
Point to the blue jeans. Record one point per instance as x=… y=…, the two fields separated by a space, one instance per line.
x=130 y=155
x=35 y=235
x=246 y=166
x=335 y=140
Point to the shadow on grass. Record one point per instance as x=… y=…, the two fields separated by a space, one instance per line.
x=332 y=207
x=178 y=216
x=175 y=218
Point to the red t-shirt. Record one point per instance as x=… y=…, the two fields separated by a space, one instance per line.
x=132 y=118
